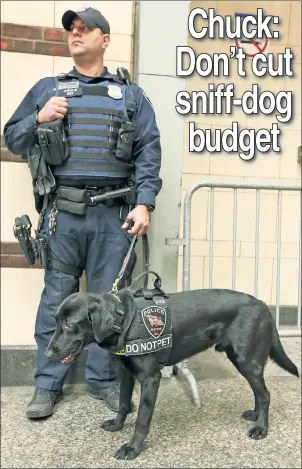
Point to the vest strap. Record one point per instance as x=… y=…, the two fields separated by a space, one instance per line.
x=96 y=133
x=73 y=142
x=96 y=110
x=93 y=120
x=90 y=156
x=122 y=172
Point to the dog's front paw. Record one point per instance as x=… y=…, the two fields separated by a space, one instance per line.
x=111 y=426
x=126 y=451
x=250 y=415
x=257 y=432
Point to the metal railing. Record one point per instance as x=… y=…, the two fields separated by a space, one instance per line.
x=235 y=186
x=186 y=242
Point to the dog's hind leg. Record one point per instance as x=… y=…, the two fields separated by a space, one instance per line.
x=149 y=390
x=262 y=402
x=127 y=382
x=253 y=373
x=248 y=414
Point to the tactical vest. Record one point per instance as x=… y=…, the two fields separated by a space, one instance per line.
x=95 y=124
x=151 y=325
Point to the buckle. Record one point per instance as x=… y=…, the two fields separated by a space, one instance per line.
x=118 y=322
x=120 y=312
x=116 y=328
x=90 y=192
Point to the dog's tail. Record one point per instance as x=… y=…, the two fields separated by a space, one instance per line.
x=277 y=353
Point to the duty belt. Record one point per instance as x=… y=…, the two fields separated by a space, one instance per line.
x=76 y=201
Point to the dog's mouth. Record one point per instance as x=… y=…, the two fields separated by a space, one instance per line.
x=72 y=356
x=67 y=359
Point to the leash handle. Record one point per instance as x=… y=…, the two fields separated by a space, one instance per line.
x=134 y=285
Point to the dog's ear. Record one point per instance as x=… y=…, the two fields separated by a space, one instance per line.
x=101 y=318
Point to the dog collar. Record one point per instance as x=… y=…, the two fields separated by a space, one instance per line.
x=118 y=321
x=118 y=318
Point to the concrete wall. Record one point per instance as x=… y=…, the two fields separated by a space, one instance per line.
x=157 y=41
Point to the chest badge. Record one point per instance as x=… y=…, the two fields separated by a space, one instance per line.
x=115 y=92
x=154 y=318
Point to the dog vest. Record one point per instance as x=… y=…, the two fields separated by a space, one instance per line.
x=151 y=327
x=96 y=113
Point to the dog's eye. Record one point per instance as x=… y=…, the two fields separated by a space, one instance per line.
x=67 y=325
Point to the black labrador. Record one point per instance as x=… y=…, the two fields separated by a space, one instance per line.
x=236 y=323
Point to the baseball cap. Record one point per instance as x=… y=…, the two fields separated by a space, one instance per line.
x=91 y=17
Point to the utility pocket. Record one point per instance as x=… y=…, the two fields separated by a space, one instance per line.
x=72 y=200
x=125 y=141
x=53 y=142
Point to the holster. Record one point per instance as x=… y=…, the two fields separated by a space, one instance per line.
x=32 y=248
x=53 y=142
x=130 y=199
x=21 y=229
x=38 y=248
x=43 y=251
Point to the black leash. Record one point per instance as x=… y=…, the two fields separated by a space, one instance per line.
x=146 y=257
x=114 y=289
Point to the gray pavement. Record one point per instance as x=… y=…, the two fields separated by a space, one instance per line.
x=181 y=435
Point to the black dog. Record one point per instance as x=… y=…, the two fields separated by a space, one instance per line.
x=236 y=323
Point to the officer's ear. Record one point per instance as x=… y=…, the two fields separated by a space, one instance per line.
x=100 y=317
x=106 y=41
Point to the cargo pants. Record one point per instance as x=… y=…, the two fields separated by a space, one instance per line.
x=97 y=244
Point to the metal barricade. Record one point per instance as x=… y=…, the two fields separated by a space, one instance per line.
x=186 y=242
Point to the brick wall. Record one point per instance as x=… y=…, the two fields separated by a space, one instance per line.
x=7 y=155
x=13 y=257
x=34 y=40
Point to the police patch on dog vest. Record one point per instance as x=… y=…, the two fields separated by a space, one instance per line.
x=154 y=318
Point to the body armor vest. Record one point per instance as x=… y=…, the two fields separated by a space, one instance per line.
x=96 y=124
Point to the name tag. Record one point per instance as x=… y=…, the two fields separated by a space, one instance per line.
x=70 y=88
x=143 y=346
x=70 y=93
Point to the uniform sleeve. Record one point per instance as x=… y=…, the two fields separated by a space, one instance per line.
x=19 y=131
x=146 y=152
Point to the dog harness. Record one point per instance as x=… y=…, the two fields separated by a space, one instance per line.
x=151 y=327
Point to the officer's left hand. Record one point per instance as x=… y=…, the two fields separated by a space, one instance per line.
x=140 y=216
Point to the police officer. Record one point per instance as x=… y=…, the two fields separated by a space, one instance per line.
x=96 y=108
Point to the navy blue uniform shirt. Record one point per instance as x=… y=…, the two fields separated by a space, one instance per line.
x=19 y=133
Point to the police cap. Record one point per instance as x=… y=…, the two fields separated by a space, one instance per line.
x=91 y=17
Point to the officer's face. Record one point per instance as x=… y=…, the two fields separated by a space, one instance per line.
x=84 y=41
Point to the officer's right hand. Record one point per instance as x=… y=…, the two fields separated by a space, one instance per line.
x=55 y=108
